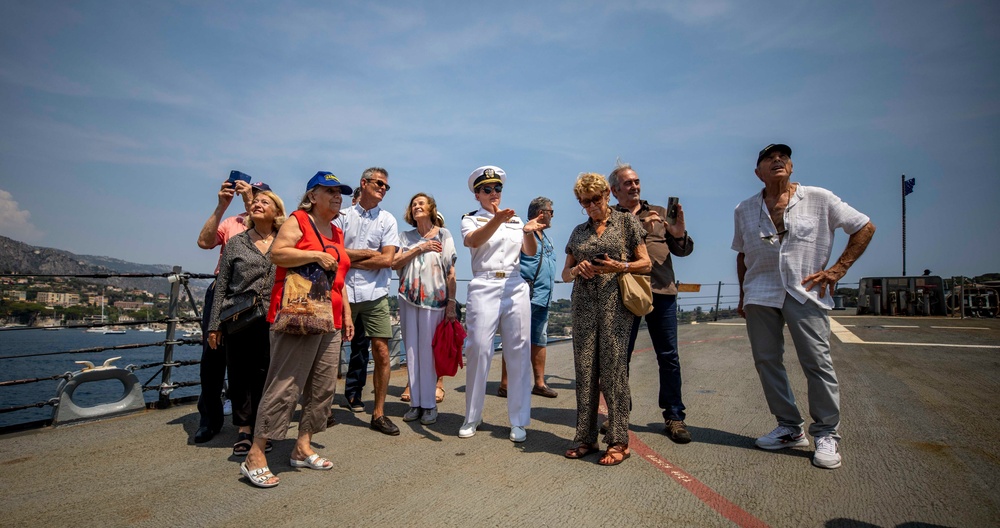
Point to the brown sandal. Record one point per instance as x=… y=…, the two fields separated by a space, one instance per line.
x=582 y=450
x=616 y=454
x=439 y=395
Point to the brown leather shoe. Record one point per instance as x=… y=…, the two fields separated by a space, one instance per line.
x=384 y=425
x=678 y=432
x=544 y=391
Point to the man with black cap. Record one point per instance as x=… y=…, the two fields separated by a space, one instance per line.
x=215 y=233
x=784 y=239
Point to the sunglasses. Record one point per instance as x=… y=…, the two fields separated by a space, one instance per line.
x=550 y=211
x=488 y=189
x=587 y=202
x=381 y=184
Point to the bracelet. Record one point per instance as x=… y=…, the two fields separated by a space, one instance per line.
x=452 y=299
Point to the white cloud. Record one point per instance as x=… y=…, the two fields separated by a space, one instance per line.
x=15 y=223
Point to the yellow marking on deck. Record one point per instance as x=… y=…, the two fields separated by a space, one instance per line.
x=846 y=336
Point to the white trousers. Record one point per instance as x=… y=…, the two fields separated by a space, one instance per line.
x=502 y=303
x=417 y=326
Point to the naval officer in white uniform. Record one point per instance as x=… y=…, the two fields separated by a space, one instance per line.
x=497 y=296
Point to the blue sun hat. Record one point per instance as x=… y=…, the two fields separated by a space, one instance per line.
x=328 y=179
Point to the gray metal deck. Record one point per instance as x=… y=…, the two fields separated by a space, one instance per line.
x=921 y=448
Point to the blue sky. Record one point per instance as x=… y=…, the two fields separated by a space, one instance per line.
x=120 y=119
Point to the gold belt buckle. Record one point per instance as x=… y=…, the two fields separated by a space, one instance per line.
x=501 y=274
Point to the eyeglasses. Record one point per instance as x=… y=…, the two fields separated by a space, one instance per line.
x=381 y=184
x=587 y=202
x=550 y=211
x=488 y=189
x=760 y=225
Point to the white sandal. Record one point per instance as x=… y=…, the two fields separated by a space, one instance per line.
x=313 y=461
x=258 y=477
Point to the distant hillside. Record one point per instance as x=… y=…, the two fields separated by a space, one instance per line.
x=21 y=258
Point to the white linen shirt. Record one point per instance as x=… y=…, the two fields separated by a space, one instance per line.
x=777 y=266
x=367 y=229
x=502 y=252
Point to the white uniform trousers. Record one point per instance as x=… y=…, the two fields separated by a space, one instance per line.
x=503 y=302
x=418 y=326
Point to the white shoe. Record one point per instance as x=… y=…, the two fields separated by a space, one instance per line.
x=227 y=408
x=517 y=434
x=430 y=416
x=827 y=454
x=413 y=414
x=782 y=437
x=468 y=429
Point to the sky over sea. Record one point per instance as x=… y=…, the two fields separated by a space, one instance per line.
x=122 y=118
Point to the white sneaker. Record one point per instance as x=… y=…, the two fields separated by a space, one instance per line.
x=227 y=408
x=430 y=416
x=518 y=434
x=413 y=414
x=782 y=437
x=827 y=454
x=468 y=429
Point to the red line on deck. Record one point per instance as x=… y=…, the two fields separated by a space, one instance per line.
x=705 y=494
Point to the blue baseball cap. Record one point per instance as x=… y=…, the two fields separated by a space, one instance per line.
x=328 y=179
x=260 y=186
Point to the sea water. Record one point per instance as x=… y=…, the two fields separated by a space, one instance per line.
x=37 y=341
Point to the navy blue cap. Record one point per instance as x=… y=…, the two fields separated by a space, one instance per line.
x=328 y=179
x=766 y=151
x=260 y=186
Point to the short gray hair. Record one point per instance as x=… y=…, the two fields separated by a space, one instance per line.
x=537 y=205
x=620 y=167
x=371 y=171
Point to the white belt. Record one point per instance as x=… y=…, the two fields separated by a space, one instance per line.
x=493 y=274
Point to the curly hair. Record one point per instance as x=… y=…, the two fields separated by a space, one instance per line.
x=590 y=183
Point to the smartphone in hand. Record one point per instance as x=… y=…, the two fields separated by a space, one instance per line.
x=237 y=175
x=672 y=209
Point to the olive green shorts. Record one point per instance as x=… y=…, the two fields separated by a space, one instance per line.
x=372 y=317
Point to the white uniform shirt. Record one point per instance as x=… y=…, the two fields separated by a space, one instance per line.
x=502 y=252
x=372 y=229
x=777 y=266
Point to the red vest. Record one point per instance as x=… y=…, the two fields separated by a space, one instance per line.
x=309 y=242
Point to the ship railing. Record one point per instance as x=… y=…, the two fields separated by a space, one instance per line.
x=720 y=298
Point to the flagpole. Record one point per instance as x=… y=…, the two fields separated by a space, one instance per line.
x=902 y=190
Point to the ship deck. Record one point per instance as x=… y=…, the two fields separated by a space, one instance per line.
x=921 y=447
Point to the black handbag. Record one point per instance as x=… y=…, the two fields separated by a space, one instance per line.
x=241 y=315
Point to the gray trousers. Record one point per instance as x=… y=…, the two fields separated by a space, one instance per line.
x=809 y=326
x=302 y=367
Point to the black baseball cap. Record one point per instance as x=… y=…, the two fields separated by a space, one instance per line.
x=766 y=151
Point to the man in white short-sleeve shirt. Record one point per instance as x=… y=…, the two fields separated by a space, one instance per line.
x=784 y=239
x=371 y=237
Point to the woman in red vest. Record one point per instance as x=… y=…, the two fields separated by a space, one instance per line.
x=304 y=366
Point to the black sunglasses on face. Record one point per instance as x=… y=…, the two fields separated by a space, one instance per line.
x=381 y=184
x=488 y=189
x=587 y=202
